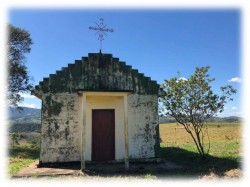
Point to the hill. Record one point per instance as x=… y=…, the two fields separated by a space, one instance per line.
x=26 y=120
x=27 y=115
x=230 y=119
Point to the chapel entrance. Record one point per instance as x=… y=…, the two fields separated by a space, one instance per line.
x=103 y=134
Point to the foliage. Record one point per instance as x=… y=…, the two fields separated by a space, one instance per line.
x=19 y=42
x=192 y=101
x=24 y=151
x=14 y=139
x=25 y=127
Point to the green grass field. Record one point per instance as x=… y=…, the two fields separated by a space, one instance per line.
x=224 y=159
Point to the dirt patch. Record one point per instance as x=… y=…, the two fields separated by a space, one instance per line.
x=98 y=169
x=231 y=174
x=33 y=171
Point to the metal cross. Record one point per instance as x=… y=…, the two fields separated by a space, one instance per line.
x=101 y=31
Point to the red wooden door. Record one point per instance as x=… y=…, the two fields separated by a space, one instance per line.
x=103 y=134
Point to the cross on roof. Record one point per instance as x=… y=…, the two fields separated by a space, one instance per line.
x=101 y=31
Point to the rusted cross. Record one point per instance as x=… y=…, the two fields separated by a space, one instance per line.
x=101 y=31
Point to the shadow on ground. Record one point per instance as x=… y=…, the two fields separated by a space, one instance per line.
x=194 y=166
x=176 y=163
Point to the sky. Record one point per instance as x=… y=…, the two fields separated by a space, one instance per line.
x=157 y=42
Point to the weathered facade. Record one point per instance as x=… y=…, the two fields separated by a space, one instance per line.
x=98 y=109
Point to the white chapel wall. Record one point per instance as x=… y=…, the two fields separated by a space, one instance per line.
x=60 y=130
x=142 y=121
x=61 y=133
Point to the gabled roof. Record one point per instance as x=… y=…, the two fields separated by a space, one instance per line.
x=97 y=72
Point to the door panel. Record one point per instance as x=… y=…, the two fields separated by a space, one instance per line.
x=103 y=135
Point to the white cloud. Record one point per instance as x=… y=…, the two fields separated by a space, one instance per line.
x=24 y=95
x=235 y=79
x=181 y=79
x=28 y=105
x=234 y=108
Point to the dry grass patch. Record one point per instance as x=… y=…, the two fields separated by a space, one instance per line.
x=224 y=159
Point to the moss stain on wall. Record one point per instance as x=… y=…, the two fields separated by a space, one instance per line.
x=52 y=107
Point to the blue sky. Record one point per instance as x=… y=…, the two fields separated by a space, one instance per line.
x=156 y=42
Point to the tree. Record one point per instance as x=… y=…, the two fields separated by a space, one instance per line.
x=192 y=101
x=14 y=137
x=19 y=42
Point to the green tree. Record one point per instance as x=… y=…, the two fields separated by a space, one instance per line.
x=14 y=137
x=192 y=101
x=19 y=42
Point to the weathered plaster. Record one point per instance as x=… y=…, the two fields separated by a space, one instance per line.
x=106 y=80
x=97 y=72
x=60 y=129
x=143 y=124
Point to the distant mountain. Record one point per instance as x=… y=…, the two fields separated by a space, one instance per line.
x=29 y=119
x=230 y=119
x=166 y=119
x=27 y=115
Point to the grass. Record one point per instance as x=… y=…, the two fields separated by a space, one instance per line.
x=225 y=140
x=225 y=151
x=21 y=156
x=16 y=164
